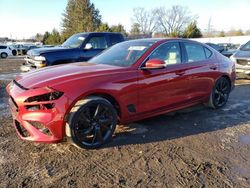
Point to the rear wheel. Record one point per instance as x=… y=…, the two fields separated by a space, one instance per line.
x=220 y=93
x=4 y=55
x=91 y=123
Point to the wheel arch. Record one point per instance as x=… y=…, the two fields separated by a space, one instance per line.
x=104 y=95
x=228 y=79
x=110 y=98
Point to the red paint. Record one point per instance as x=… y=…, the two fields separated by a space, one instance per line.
x=153 y=92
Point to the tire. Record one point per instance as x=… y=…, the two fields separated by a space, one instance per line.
x=91 y=123
x=220 y=93
x=14 y=52
x=4 y=55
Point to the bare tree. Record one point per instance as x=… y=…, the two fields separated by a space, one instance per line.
x=146 y=20
x=209 y=30
x=173 y=21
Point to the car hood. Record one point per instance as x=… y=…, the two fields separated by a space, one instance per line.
x=56 y=75
x=242 y=54
x=39 y=51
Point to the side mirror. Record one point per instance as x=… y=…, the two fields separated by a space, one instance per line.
x=88 y=46
x=154 y=64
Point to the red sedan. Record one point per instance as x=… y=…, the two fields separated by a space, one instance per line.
x=130 y=81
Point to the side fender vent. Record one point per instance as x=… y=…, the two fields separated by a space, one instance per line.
x=131 y=108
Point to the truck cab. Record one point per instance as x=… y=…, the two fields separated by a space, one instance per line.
x=79 y=47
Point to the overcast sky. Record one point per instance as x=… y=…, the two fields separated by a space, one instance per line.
x=24 y=18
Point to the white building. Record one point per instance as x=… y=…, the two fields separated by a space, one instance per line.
x=233 y=39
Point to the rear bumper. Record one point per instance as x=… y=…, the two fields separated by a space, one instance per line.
x=42 y=125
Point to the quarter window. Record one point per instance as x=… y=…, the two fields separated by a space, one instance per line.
x=195 y=52
x=207 y=52
x=168 y=52
x=98 y=42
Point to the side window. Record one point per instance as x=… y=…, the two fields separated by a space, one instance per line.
x=207 y=52
x=170 y=53
x=114 y=39
x=98 y=42
x=195 y=52
x=3 y=47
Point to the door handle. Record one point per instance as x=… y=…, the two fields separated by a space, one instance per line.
x=180 y=73
x=213 y=67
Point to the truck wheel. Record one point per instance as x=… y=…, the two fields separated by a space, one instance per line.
x=91 y=122
x=4 y=55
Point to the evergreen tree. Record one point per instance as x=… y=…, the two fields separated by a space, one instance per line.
x=80 y=16
x=104 y=27
x=119 y=29
x=54 y=38
x=192 y=31
x=45 y=37
x=38 y=37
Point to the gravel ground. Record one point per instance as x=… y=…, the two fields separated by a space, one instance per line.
x=195 y=147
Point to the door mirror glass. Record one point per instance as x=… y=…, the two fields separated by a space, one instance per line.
x=88 y=46
x=154 y=64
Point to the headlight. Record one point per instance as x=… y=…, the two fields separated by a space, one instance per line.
x=45 y=97
x=39 y=58
x=233 y=58
x=40 y=64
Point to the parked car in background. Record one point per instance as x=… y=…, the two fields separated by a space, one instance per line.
x=223 y=48
x=30 y=47
x=130 y=81
x=5 y=51
x=229 y=49
x=47 y=46
x=79 y=47
x=19 y=49
x=242 y=59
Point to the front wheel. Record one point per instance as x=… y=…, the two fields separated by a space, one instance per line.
x=4 y=55
x=91 y=123
x=220 y=93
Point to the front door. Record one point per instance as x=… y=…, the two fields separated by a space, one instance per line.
x=98 y=43
x=163 y=88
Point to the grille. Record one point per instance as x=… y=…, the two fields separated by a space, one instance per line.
x=41 y=128
x=242 y=62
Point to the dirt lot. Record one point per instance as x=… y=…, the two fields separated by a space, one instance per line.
x=196 y=147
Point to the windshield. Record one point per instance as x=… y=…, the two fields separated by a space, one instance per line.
x=246 y=47
x=74 y=41
x=123 y=54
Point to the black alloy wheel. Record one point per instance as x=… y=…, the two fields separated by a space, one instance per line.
x=220 y=93
x=93 y=124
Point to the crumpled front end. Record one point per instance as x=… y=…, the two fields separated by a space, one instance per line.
x=38 y=114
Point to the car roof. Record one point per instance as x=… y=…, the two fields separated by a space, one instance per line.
x=87 y=33
x=161 y=40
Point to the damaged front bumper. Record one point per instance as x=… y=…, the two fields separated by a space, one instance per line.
x=36 y=116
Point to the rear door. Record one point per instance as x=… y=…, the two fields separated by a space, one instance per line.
x=201 y=69
x=163 y=88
